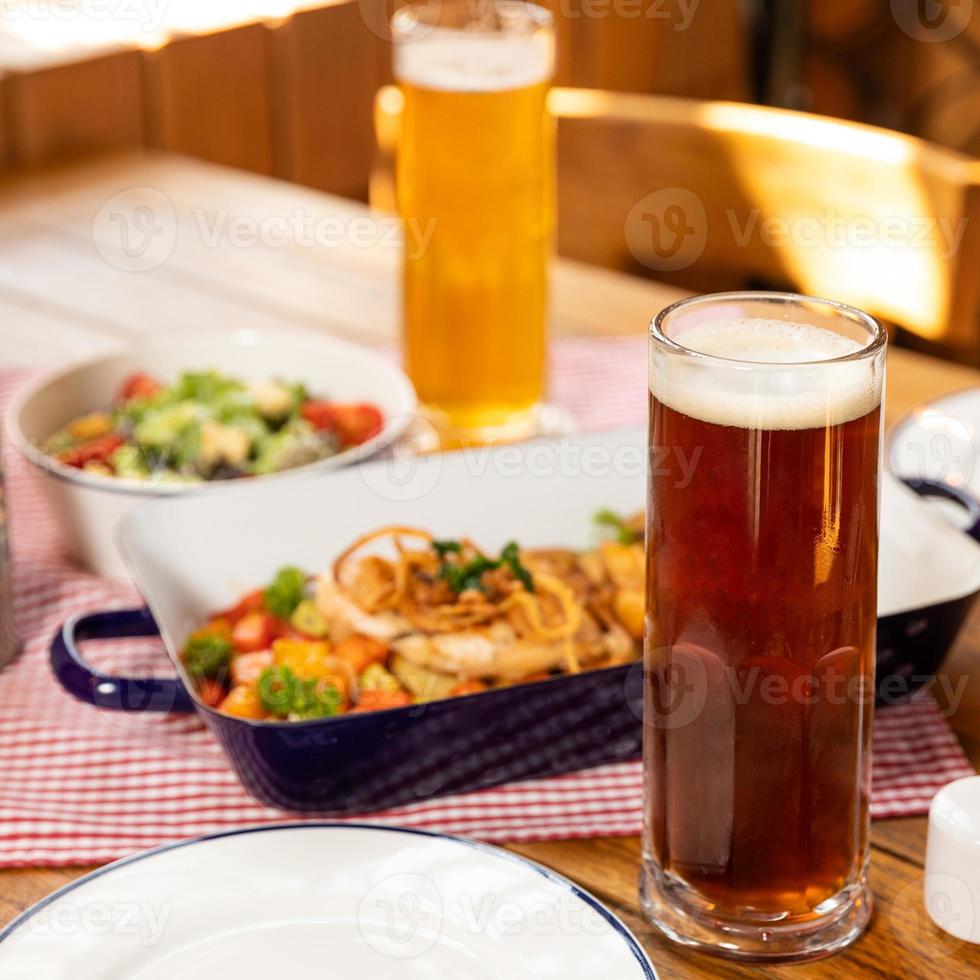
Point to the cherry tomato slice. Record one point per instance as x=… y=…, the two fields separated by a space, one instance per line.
x=138 y=385
x=352 y=423
x=93 y=451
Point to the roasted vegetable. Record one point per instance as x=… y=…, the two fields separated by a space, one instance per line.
x=377 y=678
x=286 y=592
x=243 y=702
x=254 y=631
x=308 y=620
x=284 y=694
x=360 y=651
x=207 y=654
x=426 y=685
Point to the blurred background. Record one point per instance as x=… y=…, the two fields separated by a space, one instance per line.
x=286 y=88
x=289 y=89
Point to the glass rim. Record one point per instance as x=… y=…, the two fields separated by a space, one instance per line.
x=538 y=17
x=878 y=335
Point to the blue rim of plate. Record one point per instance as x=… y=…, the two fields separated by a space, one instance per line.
x=620 y=927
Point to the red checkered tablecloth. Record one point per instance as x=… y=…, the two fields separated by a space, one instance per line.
x=79 y=785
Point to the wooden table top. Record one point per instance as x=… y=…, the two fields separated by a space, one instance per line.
x=71 y=286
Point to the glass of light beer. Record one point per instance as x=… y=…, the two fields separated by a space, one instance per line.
x=475 y=187
x=762 y=536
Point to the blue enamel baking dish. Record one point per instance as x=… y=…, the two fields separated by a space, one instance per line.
x=192 y=555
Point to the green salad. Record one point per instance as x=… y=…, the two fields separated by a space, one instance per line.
x=209 y=426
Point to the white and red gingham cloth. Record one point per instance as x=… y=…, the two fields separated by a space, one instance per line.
x=80 y=785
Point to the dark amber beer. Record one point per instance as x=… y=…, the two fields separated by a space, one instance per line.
x=765 y=420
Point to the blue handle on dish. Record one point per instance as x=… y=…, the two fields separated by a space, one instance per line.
x=105 y=690
x=932 y=488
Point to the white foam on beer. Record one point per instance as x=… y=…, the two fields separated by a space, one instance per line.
x=802 y=395
x=458 y=61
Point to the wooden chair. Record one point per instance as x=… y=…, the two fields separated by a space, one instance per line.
x=718 y=195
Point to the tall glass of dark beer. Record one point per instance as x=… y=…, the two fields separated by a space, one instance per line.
x=762 y=550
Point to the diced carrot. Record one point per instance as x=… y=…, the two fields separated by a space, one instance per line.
x=468 y=687
x=243 y=702
x=380 y=700
x=210 y=691
x=254 y=631
x=361 y=651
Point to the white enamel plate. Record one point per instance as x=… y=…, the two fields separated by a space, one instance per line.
x=297 y=902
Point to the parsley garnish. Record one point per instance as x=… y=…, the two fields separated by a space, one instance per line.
x=443 y=548
x=469 y=575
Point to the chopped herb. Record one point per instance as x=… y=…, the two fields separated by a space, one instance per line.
x=443 y=548
x=610 y=520
x=511 y=559
x=283 y=693
x=462 y=577
x=286 y=592
x=206 y=655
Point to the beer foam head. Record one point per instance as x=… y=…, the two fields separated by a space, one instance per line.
x=765 y=374
x=460 y=61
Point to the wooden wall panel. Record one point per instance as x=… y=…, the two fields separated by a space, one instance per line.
x=327 y=66
x=73 y=109
x=293 y=97
x=210 y=97
x=669 y=48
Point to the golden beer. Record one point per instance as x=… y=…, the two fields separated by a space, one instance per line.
x=475 y=178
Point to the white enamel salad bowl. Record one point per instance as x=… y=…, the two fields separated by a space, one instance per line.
x=89 y=506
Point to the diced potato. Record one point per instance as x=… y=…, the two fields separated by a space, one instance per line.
x=425 y=684
x=630 y=608
x=308 y=620
x=91 y=426
x=243 y=702
x=360 y=651
x=377 y=678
